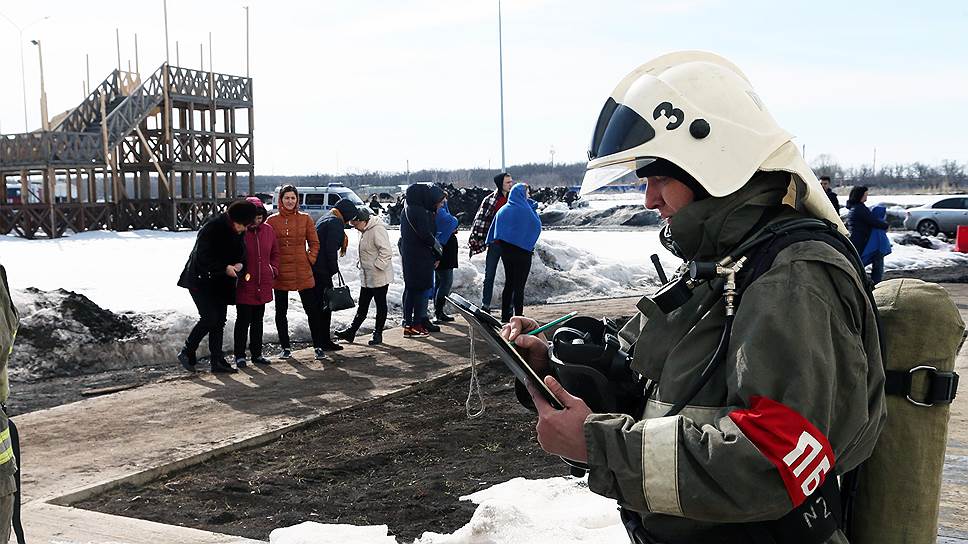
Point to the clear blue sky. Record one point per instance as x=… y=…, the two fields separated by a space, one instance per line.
x=347 y=86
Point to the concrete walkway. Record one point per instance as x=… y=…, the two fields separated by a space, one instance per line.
x=78 y=450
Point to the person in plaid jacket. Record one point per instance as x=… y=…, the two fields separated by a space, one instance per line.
x=482 y=223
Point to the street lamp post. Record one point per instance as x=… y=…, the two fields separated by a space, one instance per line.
x=44 y=122
x=246 y=41
x=23 y=78
x=500 y=62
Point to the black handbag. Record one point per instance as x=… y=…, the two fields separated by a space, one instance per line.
x=437 y=250
x=339 y=297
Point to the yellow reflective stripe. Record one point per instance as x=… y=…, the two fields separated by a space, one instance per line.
x=6 y=447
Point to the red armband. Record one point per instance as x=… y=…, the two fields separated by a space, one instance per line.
x=800 y=452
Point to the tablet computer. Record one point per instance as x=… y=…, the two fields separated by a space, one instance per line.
x=488 y=327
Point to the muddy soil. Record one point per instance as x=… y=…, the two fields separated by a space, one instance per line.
x=402 y=461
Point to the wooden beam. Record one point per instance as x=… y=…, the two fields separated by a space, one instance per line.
x=154 y=160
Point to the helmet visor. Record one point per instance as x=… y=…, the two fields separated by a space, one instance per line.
x=619 y=128
x=597 y=178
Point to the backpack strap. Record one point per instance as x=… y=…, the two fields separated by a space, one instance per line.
x=782 y=236
x=942 y=386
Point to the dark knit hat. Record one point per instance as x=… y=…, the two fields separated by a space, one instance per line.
x=243 y=212
x=347 y=209
x=662 y=167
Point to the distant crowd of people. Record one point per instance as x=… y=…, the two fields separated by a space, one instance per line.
x=247 y=258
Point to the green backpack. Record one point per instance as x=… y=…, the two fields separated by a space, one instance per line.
x=899 y=486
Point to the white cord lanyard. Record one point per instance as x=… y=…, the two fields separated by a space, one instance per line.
x=474 y=385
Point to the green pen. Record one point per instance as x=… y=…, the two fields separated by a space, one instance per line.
x=550 y=324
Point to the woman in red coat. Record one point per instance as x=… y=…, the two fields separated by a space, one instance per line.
x=254 y=288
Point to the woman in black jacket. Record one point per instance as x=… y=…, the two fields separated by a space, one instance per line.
x=332 y=245
x=860 y=223
x=418 y=254
x=210 y=275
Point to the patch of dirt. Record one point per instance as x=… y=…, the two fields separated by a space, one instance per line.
x=402 y=461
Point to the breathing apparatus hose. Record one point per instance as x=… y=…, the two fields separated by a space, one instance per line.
x=717 y=360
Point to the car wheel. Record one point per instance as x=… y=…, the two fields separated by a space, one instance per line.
x=928 y=228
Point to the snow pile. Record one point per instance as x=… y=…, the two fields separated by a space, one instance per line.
x=310 y=532
x=621 y=215
x=906 y=256
x=63 y=333
x=550 y=511
x=129 y=277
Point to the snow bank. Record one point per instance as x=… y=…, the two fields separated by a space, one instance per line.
x=132 y=276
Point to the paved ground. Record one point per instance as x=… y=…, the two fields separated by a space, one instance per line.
x=76 y=450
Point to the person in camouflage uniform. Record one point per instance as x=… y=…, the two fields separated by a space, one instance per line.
x=800 y=398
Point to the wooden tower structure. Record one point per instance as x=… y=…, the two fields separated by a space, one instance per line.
x=165 y=152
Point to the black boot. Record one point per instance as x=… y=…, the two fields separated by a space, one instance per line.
x=443 y=318
x=329 y=345
x=187 y=359
x=219 y=366
x=348 y=334
x=429 y=325
x=377 y=338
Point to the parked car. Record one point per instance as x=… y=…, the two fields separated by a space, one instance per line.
x=316 y=201
x=943 y=214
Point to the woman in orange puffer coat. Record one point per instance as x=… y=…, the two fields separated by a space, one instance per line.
x=298 y=248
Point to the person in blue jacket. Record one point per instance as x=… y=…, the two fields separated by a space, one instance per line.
x=444 y=274
x=861 y=222
x=878 y=246
x=517 y=228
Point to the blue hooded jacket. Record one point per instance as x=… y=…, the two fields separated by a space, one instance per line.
x=878 y=242
x=446 y=224
x=516 y=222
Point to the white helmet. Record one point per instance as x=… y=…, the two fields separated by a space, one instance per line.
x=699 y=112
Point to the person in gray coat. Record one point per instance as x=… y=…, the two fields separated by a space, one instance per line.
x=376 y=273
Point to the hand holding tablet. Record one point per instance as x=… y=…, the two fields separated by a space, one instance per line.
x=489 y=328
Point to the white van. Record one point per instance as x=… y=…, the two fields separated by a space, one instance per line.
x=316 y=201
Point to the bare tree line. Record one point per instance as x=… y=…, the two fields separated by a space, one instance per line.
x=948 y=177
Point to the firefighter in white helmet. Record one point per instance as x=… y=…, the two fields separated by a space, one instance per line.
x=756 y=401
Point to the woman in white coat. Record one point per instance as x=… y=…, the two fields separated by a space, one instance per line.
x=376 y=268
